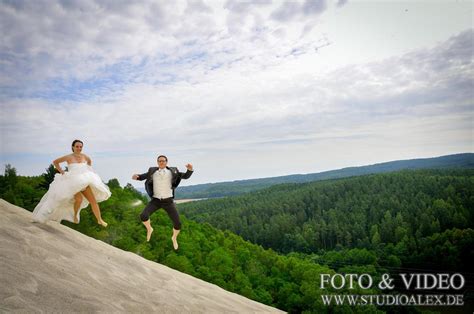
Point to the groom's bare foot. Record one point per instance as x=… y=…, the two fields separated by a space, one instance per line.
x=175 y=243
x=148 y=234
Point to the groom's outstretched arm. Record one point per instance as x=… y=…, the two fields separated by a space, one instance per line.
x=140 y=177
x=188 y=173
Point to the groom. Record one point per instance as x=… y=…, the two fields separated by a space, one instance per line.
x=160 y=184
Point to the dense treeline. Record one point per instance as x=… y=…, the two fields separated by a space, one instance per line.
x=403 y=214
x=290 y=283
x=23 y=191
x=212 y=190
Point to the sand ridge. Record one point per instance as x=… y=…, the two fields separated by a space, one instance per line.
x=52 y=268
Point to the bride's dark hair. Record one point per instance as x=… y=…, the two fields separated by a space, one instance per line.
x=74 y=142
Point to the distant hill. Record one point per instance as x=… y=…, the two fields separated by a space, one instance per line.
x=211 y=190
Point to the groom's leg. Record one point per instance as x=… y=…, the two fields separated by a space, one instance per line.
x=152 y=206
x=173 y=214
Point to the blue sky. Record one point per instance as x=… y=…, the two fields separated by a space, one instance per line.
x=239 y=89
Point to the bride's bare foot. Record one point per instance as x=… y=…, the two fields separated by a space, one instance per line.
x=76 y=220
x=148 y=234
x=175 y=243
x=102 y=223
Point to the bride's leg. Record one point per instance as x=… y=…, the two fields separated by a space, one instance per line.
x=77 y=204
x=95 y=207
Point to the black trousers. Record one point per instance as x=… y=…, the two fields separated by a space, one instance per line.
x=168 y=205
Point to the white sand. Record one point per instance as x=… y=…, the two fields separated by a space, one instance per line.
x=52 y=268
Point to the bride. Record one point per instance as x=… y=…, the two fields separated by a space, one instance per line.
x=72 y=190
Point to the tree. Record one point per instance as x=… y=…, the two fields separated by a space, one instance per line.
x=48 y=176
x=11 y=177
x=113 y=183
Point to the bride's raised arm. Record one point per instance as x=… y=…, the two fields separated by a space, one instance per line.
x=56 y=163
x=88 y=159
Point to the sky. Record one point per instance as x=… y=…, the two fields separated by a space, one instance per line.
x=239 y=89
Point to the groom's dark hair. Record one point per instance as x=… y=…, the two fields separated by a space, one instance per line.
x=162 y=156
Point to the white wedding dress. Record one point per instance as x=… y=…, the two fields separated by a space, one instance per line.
x=58 y=202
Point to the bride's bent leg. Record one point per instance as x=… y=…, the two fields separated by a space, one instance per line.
x=95 y=207
x=77 y=204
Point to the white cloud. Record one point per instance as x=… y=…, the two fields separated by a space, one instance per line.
x=290 y=10
x=216 y=83
x=80 y=40
x=230 y=105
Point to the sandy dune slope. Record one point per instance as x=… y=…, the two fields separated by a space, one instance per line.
x=52 y=268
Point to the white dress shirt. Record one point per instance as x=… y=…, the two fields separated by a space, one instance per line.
x=162 y=184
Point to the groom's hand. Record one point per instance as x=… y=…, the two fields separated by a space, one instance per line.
x=135 y=177
x=189 y=167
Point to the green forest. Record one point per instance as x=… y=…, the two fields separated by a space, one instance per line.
x=272 y=245
x=410 y=216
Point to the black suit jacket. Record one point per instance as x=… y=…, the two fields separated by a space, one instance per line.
x=176 y=177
